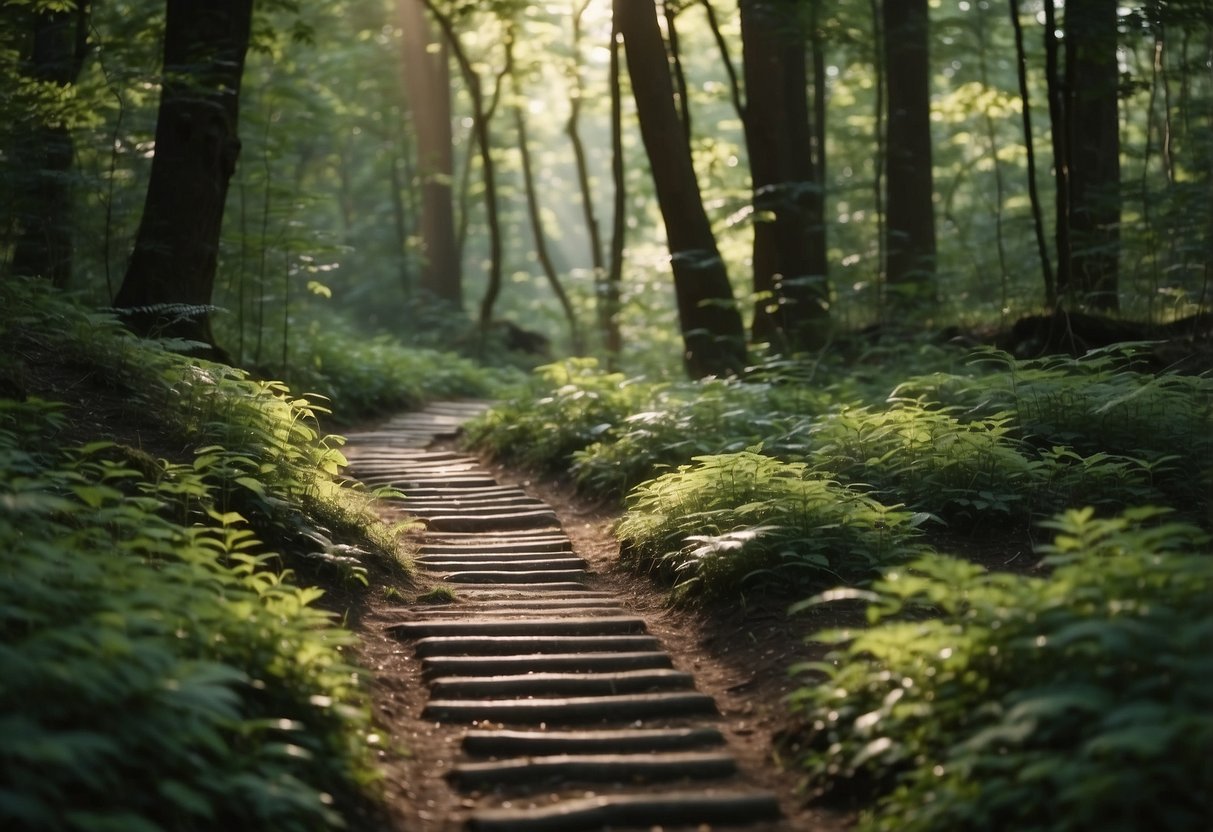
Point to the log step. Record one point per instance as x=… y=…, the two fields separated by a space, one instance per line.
x=525 y=546
x=586 y=814
x=595 y=626
x=560 y=684
x=593 y=768
x=486 y=665
x=501 y=743
x=467 y=562
x=521 y=645
x=493 y=522
x=571 y=710
x=545 y=576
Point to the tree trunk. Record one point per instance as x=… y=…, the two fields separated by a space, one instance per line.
x=1038 y=223
x=910 y=217
x=427 y=79
x=789 y=270
x=1092 y=86
x=171 y=275
x=1061 y=154
x=712 y=332
x=611 y=298
x=45 y=152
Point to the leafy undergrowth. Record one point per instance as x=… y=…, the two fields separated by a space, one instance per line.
x=977 y=700
x=162 y=667
x=374 y=376
x=1076 y=696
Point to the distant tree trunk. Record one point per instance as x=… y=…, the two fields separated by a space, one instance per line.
x=674 y=53
x=536 y=218
x=1093 y=144
x=789 y=270
x=573 y=130
x=610 y=299
x=427 y=79
x=910 y=219
x=711 y=325
x=177 y=245
x=1054 y=85
x=481 y=116
x=45 y=151
x=1042 y=249
x=723 y=46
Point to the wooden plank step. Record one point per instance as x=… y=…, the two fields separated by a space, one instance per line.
x=647 y=811
x=485 y=590
x=560 y=684
x=521 y=645
x=494 y=522
x=492 y=564
x=587 y=626
x=465 y=610
x=538 y=772
x=439 y=491
x=404 y=481
x=495 y=544
x=572 y=710
x=473 y=558
x=486 y=665
x=501 y=576
x=501 y=743
x=478 y=502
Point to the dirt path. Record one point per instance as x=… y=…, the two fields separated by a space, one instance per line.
x=556 y=692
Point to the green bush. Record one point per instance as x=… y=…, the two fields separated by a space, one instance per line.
x=565 y=407
x=745 y=521
x=156 y=674
x=1094 y=405
x=1078 y=701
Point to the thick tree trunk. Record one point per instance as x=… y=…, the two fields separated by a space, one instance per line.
x=1092 y=86
x=789 y=267
x=427 y=79
x=170 y=278
x=46 y=152
x=612 y=291
x=910 y=218
x=711 y=325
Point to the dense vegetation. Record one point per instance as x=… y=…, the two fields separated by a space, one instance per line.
x=166 y=660
x=1071 y=693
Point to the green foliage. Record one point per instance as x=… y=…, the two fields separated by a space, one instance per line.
x=369 y=376
x=1095 y=405
x=564 y=408
x=978 y=700
x=748 y=521
x=157 y=673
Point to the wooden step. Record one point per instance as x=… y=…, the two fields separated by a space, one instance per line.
x=547 y=626
x=646 y=811
x=440 y=665
x=521 y=645
x=493 y=545
x=491 y=564
x=545 y=518
x=560 y=684
x=544 y=576
x=572 y=710
x=538 y=772
x=501 y=743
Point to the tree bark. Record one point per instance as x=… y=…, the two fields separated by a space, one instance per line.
x=789 y=264
x=45 y=152
x=1092 y=122
x=910 y=217
x=611 y=298
x=427 y=79
x=712 y=331
x=171 y=275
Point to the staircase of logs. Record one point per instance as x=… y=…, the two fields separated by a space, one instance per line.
x=572 y=715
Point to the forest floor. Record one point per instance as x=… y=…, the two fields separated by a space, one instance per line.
x=740 y=656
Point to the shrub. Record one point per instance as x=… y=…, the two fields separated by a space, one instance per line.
x=156 y=674
x=745 y=521
x=978 y=700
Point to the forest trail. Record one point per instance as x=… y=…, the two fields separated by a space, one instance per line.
x=538 y=700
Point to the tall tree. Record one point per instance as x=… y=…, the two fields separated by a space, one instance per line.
x=427 y=79
x=789 y=240
x=712 y=332
x=177 y=245
x=1091 y=120
x=45 y=149
x=910 y=212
